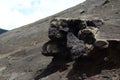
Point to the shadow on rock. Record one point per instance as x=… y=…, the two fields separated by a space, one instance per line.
x=97 y=61
x=59 y=63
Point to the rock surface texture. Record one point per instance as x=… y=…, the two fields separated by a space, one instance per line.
x=20 y=49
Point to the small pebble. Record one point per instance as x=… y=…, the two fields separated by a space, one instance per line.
x=106 y=59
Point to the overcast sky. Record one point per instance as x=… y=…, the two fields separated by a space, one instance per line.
x=16 y=13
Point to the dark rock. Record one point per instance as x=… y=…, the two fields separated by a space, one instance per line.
x=82 y=12
x=72 y=40
x=94 y=23
x=76 y=46
x=50 y=49
x=87 y=36
x=101 y=44
x=54 y=34
x=58 y=30
x=72 y=36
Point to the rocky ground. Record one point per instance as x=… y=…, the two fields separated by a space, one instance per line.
x=20 y=49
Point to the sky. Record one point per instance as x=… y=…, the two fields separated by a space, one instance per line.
x=16 y=13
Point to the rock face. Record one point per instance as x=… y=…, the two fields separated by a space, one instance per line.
x=21 y=57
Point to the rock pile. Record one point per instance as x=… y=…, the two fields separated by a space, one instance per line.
x=71 y=37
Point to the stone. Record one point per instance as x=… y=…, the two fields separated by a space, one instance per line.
x=76 y=46
x=50 y=49
x=72 y=36
x=101 y=44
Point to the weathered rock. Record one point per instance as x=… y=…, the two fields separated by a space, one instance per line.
x=58 y=30
x=101 y=44
x=88 y=35
x=50 y=49
x=94 y=23
x=76 y=46
x=73 y=35
x=53 y=49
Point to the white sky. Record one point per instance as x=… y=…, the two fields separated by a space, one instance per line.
x=16 y=13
